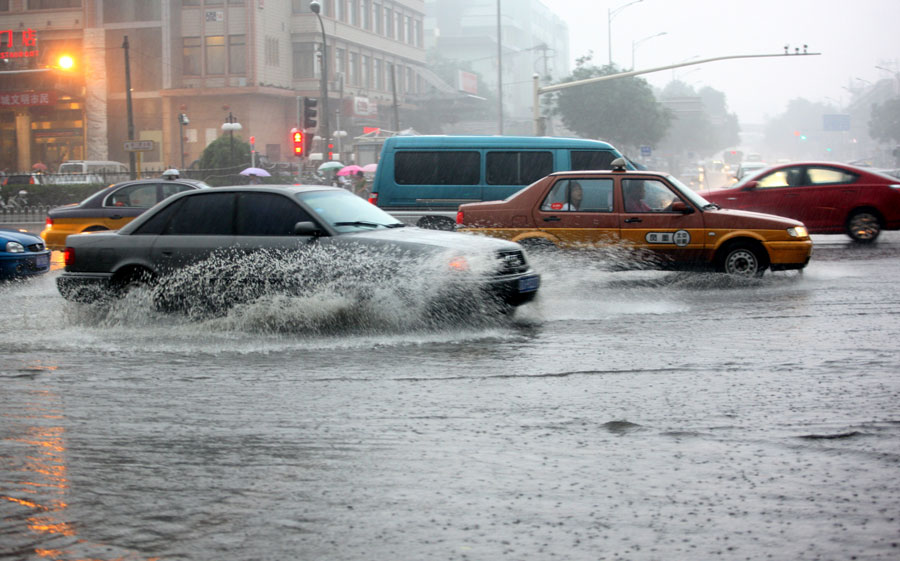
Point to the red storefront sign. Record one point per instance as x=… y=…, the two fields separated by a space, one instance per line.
x=29 y=39
x=27 y=99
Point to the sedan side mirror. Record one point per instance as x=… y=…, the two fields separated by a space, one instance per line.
x=307 y=228
x=682 y=207
x=751 y=185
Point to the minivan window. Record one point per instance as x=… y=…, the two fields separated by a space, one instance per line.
x=437 y=168
x=517 y=168
x=268 y=214
x=209 y=214
x=591 y=159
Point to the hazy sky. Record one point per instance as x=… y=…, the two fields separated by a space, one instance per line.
x=853 y=37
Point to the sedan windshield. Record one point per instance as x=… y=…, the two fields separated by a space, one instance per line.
x=346 y=212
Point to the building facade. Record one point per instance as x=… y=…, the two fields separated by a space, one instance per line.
x=531 y=38
x=251 y=60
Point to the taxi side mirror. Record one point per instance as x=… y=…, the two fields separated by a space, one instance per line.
x=751 y=185
x=680 y=206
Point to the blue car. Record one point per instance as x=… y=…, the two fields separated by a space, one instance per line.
x=22 y=254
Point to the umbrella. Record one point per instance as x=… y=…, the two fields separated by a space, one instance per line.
x=259 y=172
x=39 y=166
x=334 y=164
x=370 y=168
x=349 y=170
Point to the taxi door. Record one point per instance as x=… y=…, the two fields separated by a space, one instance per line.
x=647 y=221
x=579 y=212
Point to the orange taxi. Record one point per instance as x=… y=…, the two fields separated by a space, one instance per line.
x=650 y=212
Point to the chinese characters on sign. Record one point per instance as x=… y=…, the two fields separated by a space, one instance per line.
x=680 y=238
x=27 y=99
x=29 y=39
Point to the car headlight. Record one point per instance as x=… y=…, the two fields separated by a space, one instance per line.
x=15 y=247
x=798 y=232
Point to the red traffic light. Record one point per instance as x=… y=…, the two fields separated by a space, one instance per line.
x=297 y=141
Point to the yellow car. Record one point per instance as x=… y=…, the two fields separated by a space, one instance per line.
x=665 y=221
x=110 y=208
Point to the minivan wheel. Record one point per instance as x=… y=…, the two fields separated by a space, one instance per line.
x=863 y=226
x=744 y=260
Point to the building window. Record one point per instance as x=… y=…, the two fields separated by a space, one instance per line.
x=376 y=17
x=339 y=10
x=410 y=80
x=410 y=38
x=236 y=2
x=272 y=54
x=339 y=62
x=190 y=53
x=304 y=58
x=215 y=54
x=364 y=79
x=354 y=12
x=237 y=54
x=300 y=6
x=388 y=22
x=131 y=10
x=190 y=2
x=213 y=2
x=418 y=31
x=4 y=5
x=379 y=74
x=367 y=15
x=400 y=27
x=53 y=4
x=352 y=69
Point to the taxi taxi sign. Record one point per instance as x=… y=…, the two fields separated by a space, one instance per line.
x=139 y=145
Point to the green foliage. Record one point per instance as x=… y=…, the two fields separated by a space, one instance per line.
x=218 y=155
x=623 y=111
x=884 y=122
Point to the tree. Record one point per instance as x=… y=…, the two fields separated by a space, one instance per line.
x=884 y=122
x=623 y=111
x=701 y=123
x=218 y=154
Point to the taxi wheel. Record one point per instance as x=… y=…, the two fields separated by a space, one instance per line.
x=863 y=226
x=743 y=260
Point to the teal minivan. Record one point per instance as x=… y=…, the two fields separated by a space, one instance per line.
x=422 y=180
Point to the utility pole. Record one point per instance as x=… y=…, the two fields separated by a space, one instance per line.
x=394 y=93
x=131 y=160
x=499 y=75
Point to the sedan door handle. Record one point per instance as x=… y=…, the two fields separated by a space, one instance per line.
x=632 y=219
x=116 y=217
x=552 y=219
x=167 y=253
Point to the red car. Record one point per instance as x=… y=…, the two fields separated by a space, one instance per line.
x=829 y=198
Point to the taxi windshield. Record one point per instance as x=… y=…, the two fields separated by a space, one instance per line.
x=347 y=212
x=688 y=193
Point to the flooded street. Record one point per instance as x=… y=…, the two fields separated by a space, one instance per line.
x=636 y=415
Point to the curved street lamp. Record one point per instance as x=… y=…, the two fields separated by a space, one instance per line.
x=639 y=41
x=230 y=126
x=325 y=133
x=610 y=14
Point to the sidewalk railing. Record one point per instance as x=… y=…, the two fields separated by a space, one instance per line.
x=31 y=213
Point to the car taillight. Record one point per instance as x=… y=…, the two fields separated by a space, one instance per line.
x=373 y=198
x=69 y=256
x=48 y=222
x=459 y=218
x=31 y=180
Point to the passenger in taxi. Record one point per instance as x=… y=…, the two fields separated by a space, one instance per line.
x=633 y=193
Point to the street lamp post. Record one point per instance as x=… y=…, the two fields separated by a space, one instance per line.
x=325 y=133
x=230 y=126
x=610 y=14
x=639 y=41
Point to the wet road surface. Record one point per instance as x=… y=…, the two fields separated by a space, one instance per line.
x=624 y=415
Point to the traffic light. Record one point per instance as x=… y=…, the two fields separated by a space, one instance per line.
x=308 y=140
x=330 y=151
x=309 y=113
x=297 y=141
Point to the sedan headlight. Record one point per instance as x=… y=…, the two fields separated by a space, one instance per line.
x=15 y=247
x=798 y=232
